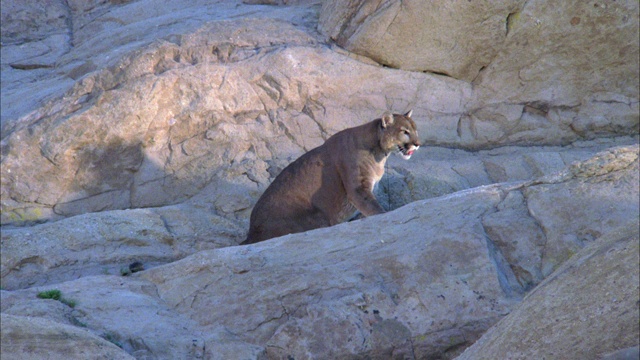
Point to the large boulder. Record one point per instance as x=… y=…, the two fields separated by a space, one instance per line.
x=48 y=45
x=174 y=119
x=586 y=309
x=108 y=242
x=550 y=45
x=551 y=71
x=144 y=132
x=187 y=134
x=456 y=38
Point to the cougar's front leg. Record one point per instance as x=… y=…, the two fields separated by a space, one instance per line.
x=360 y=194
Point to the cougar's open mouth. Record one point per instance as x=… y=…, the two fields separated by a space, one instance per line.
x=407 y=150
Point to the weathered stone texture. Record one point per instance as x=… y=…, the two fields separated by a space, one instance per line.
x=144 y=131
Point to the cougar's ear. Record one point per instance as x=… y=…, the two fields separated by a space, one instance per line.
x=387 y=119
x=408 y=114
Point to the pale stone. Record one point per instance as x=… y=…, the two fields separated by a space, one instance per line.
x=138 y=135
x=26 y=338
x=152 y=111
x=456 y=38
x=588 y=308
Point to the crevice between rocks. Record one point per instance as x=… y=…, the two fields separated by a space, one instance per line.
x=30 y=66
x=509 y=21
x=506 y=277
x=537 y=222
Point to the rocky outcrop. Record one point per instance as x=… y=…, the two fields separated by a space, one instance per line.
x=147 y=118
x=137 y=135
x=571 y=69
x=457 y=39
x=211 y=114
x=26 y=337
x=423 y=281
x=464 y=39
x=594 y=311
x=48 y=45
x=106 y=242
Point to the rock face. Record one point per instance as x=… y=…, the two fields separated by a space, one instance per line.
x=571 y=69
x=140 y=132
x=125 y=117
x=423 y=281
x=211 y=114
x=463 y=39
x=587 y=299
x=70 y=248
x=36 y=338
x=105 y=243
x=457 y=38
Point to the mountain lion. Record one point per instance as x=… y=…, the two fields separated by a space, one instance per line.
x=327 y=184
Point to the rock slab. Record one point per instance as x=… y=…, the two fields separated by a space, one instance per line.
x=586 y=309
x=424 y=281
x=127 y=108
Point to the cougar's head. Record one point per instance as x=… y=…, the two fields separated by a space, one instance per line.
x=399 y=133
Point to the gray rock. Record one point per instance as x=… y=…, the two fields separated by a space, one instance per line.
x=159 y=152
x=569 y=228
x=630 y=353
x=539 y=73
x=35 y=20
x=586 y=309
x=437 y=171
x=70 y=248
x=155 y=108
x=457 y=38
x=26 y=338
x=108 y=242
x=144 y=132
x=518 y=237
x=425 y=280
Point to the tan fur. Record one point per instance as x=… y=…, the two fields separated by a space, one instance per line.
x=327 y=184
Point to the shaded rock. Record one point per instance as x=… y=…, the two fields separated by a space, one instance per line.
x=561 y=216
x=519 y=238
x=49 y=309
x=36 y=20
x=127 y=312
x=380 y=286
x=26 y=337
x=588 y=308
x=630 y=353
x=321 y=298
x=437 y=171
